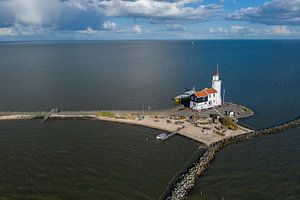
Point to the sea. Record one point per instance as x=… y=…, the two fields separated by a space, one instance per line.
x=103 y=160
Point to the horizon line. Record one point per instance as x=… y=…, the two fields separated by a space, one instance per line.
x=125 y=40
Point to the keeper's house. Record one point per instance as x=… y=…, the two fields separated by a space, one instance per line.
x=208 y=97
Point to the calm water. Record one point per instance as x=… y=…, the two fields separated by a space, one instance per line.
x=65 y=160
x=266 y=168
x=86 y=160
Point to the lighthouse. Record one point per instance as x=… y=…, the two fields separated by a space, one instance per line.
x=208 y=97
x=216 y=84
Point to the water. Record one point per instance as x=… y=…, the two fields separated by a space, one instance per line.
x=263 y=75
x=264 y=168
x=86 y=160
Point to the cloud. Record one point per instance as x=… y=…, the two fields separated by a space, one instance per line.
x=234 y=31
x=280 y=30
x=21 y=30
x=7 y=32
x=174 y=27
x=79 y=4
x=87 y=19
x=30 y=12
x=62 y=14
x=243 y=31
x=79 y=14
x=109 y=25
x=276 y=12
x=88 y=31
x=137 y=29
x=175 y=10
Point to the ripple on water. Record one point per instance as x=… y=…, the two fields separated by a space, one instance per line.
x=264 y=168
x=86 y=160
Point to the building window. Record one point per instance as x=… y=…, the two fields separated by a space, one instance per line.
x=214 y=95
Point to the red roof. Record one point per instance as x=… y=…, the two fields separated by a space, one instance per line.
x=206 y=92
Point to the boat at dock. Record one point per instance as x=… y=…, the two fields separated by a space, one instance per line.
x=162 y=136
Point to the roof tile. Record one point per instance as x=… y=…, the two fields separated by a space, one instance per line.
x=205 y=92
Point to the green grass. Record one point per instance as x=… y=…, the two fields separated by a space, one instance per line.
x=228 y=122
x=106 y=114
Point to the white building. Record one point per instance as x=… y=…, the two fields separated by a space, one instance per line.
x=208 y=97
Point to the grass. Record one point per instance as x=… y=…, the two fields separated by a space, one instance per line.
x=106 y=114
x=228 y=122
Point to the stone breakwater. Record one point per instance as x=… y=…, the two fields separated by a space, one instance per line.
x=188 y=180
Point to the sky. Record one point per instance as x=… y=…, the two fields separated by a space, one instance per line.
x=22 y=20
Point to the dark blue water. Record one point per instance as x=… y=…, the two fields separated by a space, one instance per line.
x=264 y=168
x=263 y=75
x=86 y=160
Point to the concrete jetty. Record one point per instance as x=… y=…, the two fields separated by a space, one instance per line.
x=198 y=126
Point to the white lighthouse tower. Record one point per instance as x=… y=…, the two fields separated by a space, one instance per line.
x=216 y=84
x=208 y=97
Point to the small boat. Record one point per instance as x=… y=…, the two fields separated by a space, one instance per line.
x=162 y=136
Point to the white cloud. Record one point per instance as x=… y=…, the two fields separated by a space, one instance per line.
x=175 y=10
x=243 y=31
x=78 y=4
x=7 y=32
x=77 y=14
x=109 y=25
x=67 y=17
x=137 y=29
x=22 y=30
x=88 y=31
x=174 y=27
x=280 y=30
x=275 y=12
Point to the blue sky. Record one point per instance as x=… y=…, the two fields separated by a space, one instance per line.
x=148 y=19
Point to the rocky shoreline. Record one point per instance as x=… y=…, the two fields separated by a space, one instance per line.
x=188 y=180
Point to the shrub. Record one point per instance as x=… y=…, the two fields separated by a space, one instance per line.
x=228 y=122
x=106 y=114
